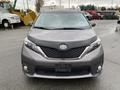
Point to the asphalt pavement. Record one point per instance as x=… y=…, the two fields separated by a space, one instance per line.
x=12 y=78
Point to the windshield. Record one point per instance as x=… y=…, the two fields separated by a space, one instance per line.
x=2 y=10
x=62 y=20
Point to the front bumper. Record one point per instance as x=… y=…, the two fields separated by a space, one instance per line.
x=61 y=77
x=40 y=67
x=14 y=21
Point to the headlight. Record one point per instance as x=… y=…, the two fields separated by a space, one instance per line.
x=92 y=47
x=32 y=45
x=11 y=17
x=96 y=43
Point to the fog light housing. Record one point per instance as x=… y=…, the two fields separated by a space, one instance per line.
x=99 y=69
x=25 y=68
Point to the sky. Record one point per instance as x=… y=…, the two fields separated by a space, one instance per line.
x=108 y=3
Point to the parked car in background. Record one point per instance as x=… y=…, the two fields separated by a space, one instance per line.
x=88 y=15
x=109 y=14
x=94 y=14
x=7 y=19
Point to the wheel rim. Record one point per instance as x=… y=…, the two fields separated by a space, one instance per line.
x=6 y=25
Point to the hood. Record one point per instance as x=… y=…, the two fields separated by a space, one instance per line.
x=53 y=38
x=9 y=15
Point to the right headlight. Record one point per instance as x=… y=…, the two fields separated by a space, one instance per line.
x=32 y=46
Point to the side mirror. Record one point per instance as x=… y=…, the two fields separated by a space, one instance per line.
x=93 y=24
x=118 y=22
x=89 y=19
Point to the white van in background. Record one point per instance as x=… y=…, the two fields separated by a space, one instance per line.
x=7 y=19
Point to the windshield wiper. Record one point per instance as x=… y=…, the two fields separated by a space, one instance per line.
x=69 y=28
x=41 y=28
x=64 y=28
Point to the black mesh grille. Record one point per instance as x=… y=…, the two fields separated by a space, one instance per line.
x=56 y=53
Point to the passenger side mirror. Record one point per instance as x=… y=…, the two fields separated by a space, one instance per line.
x=118 y=22
x=93 y=24
x=89 y=19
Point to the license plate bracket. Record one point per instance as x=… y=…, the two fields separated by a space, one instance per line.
x=62 y=68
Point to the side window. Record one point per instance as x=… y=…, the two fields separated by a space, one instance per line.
x=1 y=5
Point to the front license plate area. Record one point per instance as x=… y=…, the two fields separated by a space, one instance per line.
x=62 y=68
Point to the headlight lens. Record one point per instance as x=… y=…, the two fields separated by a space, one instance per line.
x=94 y=45
x=11 y=17
x=32 y=45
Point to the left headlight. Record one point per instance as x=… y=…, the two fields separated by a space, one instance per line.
x=32 y=46
x=11 y=17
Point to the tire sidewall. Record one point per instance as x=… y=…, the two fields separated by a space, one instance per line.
x=6 y=24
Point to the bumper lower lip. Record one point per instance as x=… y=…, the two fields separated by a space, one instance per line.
x=15 y=21
x=62 y=77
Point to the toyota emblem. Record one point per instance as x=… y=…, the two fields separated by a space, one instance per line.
x=63 y=47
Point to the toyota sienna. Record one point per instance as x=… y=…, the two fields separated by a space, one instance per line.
x=62 y=44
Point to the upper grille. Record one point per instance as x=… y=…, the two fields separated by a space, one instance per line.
x=56 y=53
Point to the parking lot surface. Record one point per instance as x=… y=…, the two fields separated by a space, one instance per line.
x=12 y=78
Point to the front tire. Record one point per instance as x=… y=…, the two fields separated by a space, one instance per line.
x=6 y=24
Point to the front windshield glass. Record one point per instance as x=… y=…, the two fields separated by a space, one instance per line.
x=62 y=20
x=2 y=10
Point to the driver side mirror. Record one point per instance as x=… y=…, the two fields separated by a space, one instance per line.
x=93 y=24
x=118 y=22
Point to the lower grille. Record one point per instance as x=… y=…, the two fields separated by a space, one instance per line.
x=84 y=70
x=56 y=53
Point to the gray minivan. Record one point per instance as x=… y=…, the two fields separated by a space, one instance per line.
x=62 y=45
